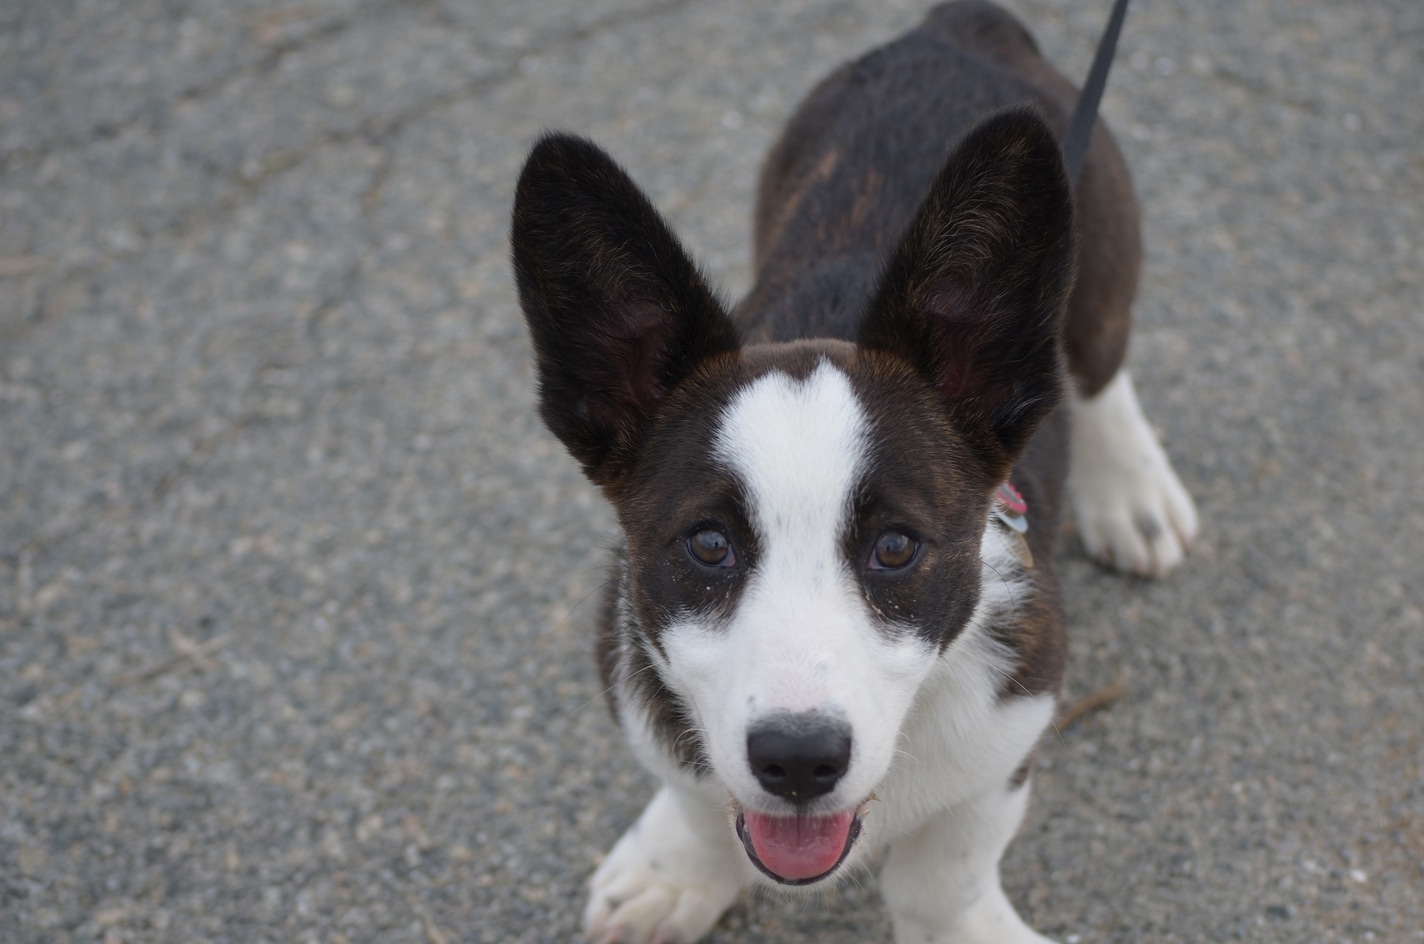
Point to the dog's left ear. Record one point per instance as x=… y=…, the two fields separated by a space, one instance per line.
x=974 y=297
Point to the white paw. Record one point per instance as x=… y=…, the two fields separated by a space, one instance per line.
x=664 y=882
x=1132 y=511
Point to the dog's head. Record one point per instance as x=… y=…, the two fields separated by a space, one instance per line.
x=803 y=521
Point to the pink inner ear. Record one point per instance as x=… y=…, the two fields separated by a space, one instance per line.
x=955 y=383
x=635 y=356
x=959 y=323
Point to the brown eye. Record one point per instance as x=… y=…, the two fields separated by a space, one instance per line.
x=893 y=550
x=711 y=547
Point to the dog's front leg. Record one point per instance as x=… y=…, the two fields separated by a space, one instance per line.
x=1133 y=513
x=671 y=875
x=941 y=882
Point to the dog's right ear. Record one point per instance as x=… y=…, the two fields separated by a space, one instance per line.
x=618 y=313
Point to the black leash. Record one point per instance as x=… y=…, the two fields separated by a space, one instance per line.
x=1085 y=112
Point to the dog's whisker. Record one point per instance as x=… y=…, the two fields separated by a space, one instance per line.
x=901 y=752
x=1008 y=584
x=601 y=586
x=582 y=706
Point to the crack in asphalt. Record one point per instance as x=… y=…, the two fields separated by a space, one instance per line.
x=157 y=114
x=379 y=131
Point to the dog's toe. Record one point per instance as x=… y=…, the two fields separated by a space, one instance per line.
x=658 y=912
x=1144 y=529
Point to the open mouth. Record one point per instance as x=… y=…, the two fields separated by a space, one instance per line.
x=798 y=850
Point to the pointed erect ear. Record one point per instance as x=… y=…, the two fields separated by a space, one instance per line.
x=974 y=296
x=618 y=313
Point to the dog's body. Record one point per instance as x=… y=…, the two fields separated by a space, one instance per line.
x=829 y=634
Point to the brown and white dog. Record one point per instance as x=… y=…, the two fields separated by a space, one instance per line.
x=834 y=629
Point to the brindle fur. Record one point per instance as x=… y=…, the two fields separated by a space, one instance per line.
x=853 y=165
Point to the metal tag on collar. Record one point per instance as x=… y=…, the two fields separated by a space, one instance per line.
x=1010 y=508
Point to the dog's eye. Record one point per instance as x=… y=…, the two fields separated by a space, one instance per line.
x=711 y=547
x=893 y=550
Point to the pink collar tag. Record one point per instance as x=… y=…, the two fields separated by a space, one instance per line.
x=1010 y=508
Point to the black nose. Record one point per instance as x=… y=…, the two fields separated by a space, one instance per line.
x=799 y=756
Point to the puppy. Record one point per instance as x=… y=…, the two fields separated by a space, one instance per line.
x=834 y=629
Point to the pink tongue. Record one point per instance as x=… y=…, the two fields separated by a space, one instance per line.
x=798 y=847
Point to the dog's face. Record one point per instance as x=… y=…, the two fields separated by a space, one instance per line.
x=803 y=521
x=803 y=538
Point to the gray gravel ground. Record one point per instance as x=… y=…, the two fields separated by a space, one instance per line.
x=294 y=632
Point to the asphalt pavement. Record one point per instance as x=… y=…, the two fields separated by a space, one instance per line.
x=295 y=620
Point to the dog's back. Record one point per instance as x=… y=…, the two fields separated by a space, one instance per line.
x=857 y=159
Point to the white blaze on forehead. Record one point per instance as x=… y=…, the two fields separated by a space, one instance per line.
x=799 y=446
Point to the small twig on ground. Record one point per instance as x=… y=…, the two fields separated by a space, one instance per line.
x=433 y=933
x=1093 y=701
x=21 y=265
x=187 y=651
